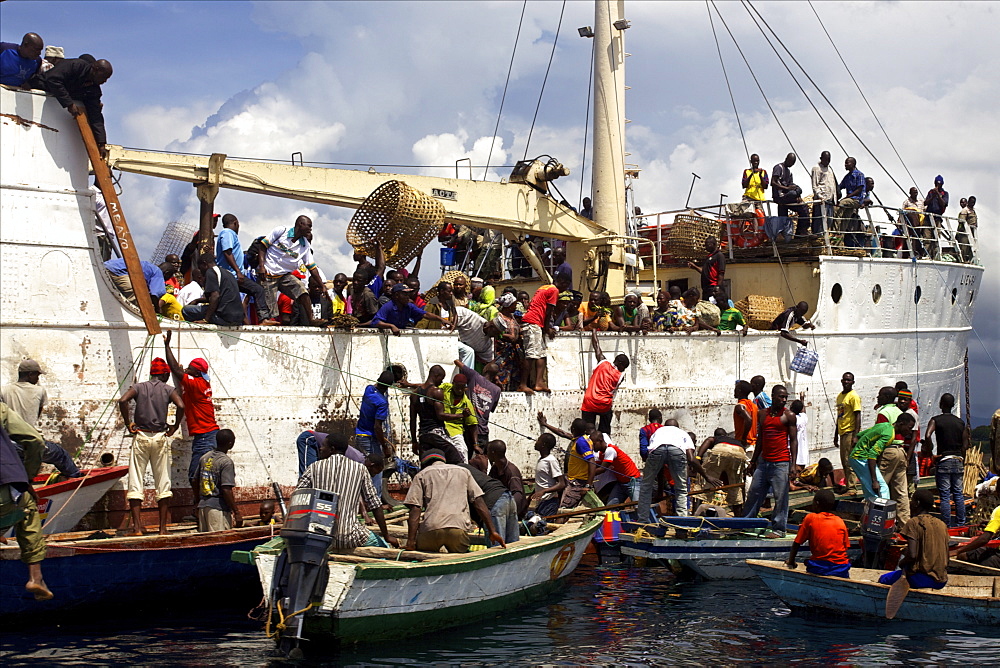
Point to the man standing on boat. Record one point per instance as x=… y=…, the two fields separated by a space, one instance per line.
x=668 y=446
x=196 y=391
x=503 y=469
x=445 y=493
x=773 y=460
x=755 y=182
x=935 y=205
x=760 y=397
x=713 y=271
x=151 y=431
x=825 y=192
x=373 y=415
x=853 y=188
x=896 y=457
x=214 y=484
x=21 y=448
x=599 y=396
x=848 y=425
x=285 y=250
x=27 y=398
x=745 y=416
x=352 y=484
x=953 y=439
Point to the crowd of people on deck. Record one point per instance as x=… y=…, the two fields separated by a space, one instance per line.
x=835 y=207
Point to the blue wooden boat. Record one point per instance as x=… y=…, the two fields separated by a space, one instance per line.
x=968 y=599
x=715 y=548
x=134 y=572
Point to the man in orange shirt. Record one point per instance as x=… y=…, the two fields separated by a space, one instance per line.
x=745 y=415
x=600 y=393
x=827 y=537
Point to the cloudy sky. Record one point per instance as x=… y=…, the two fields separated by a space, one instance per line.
x=419 y=83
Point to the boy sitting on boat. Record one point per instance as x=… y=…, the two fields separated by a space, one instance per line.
x=925 y=558
x=827 y=537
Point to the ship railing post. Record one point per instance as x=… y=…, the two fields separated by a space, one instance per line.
x=823 y=209
x=874 y=243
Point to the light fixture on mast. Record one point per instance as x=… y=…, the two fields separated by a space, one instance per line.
x=622 y=24
x=585 y=31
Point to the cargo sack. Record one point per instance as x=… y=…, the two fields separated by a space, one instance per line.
x=805 y=361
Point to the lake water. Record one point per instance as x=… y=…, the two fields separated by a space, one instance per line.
x=605 y=616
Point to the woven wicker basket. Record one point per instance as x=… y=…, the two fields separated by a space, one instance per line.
x=402 y=219
x=760 y=311
x=686 y=237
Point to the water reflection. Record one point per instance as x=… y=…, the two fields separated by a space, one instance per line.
x=603 y=616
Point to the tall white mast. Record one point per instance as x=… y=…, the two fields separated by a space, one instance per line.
x=608 y=170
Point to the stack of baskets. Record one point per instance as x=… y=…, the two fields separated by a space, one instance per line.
x=402 y=219
x=686 y=237
x=760 y=311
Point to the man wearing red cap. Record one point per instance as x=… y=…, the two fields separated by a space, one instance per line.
x=197 y=393
x=151 y=432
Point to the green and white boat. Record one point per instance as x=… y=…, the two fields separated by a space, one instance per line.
x=374 y=594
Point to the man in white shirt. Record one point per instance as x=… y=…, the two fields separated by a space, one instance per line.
x=473 y=343
x=667 y=446
x=285 y=250
x=824 y=186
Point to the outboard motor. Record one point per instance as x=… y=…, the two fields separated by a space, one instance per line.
x=300 y=574
x=878 y=526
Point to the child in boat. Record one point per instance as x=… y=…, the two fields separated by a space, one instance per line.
x=925 y=558
x=816 y=476
x=549 y=478
x=827 y=537
x=266 y=512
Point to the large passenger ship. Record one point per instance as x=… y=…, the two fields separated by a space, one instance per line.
x=885 y=319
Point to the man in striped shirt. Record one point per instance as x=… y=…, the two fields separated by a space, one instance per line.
x=352 y=484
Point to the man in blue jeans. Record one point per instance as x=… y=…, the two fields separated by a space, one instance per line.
x=667 y=446
x=953 y=438
x=369 y=434
x=777 y=448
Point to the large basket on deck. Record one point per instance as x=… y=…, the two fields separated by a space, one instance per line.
x=686 y=237
x=402 y=219
x=760 y=311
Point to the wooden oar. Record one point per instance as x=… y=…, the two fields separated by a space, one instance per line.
x=896 y=595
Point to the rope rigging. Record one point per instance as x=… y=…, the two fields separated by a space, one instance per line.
x=510 y=68
x=725 y=74
x=545 y=79
x=863 y=97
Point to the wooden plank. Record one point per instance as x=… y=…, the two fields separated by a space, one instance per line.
x=129 y=254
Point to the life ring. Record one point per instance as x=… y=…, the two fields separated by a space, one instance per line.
x=748 y=233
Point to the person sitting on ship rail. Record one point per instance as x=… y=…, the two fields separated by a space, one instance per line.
x=19 y=62
x=846 y=214
x=684 y=315
x=788 y=196
x=400 y=312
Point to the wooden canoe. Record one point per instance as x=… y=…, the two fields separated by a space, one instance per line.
x=967 y=599
x=378 y=594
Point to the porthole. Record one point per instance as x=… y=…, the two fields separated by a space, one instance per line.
x=836 y=293
x=916 y=295
x=954 y=295
x=972 y=295
x=876 y=293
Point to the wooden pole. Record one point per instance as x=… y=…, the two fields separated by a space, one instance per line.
x=129 y=254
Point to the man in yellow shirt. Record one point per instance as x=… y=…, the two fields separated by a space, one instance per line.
x=848 y=425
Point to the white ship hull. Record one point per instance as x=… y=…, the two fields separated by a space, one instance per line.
x=58 y=306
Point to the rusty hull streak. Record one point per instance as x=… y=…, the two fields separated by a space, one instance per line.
x=25 y=123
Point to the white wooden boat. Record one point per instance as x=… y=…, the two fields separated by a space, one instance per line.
x=370 y=598
x=63 y=504
x=968 y=599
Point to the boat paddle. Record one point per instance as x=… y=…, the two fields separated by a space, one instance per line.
x=896 y=595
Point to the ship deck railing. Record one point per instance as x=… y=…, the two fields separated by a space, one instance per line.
x=916 y=233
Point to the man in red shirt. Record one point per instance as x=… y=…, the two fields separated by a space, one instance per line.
x=537 y=324
x=827 y=537
x=773 y=460
x=619 y=478
x=604 y=381
x=200 y=411
x=713 y=271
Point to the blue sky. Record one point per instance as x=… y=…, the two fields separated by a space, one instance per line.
x=420 y=82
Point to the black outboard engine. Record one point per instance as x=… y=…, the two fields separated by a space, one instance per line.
x=878 y=526
x=300 y=574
